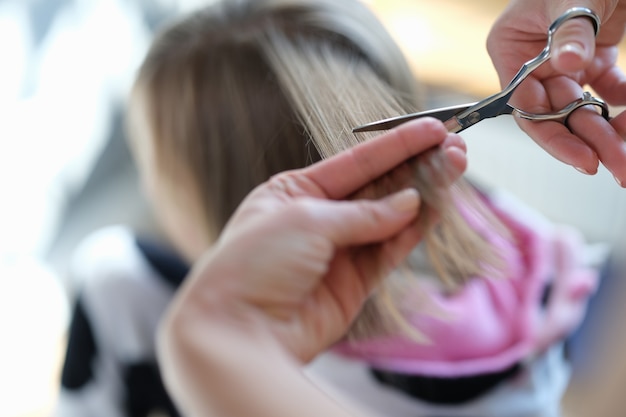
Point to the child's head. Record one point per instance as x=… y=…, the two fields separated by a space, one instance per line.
x=244 y=89
x=213 y=114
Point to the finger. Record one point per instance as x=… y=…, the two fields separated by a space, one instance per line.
x=352 y=223
x=590 y=129
x=554 y=137
x=376 y=262
x=458 y=161
x=574 y=46
x=561 y=144
x=396 y=250
x=454 y=142
x=619 y=124
x=532 y=97
x=436 y=169
x=602 y=137
x=611 y=86
x=352 y=169
x=442 y=167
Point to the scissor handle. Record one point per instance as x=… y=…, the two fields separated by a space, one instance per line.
x=497 y=104
x=570 y=14
x=545 y=54
x=562 y=115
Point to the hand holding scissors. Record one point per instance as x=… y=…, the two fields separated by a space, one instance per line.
x=599 y=138
x=578 y=59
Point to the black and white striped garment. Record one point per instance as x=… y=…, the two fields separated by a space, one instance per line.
x=110 y=368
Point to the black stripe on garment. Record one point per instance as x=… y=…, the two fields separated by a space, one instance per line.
x=145 y=391
x=81 y=351
x=444 y=391
x=171 y=267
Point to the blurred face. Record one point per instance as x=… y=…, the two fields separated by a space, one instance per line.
x=178 y=212
x=173 y=197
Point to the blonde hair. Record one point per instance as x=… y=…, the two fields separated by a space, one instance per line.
x=244 y=89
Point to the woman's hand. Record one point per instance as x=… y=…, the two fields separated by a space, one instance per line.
x=294 y=265
x=578 y=59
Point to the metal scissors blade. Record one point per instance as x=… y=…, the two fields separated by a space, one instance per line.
x=458 y=118
x=443 y=114
x=449 y=115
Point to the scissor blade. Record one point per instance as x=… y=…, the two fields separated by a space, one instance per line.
x=443 y=114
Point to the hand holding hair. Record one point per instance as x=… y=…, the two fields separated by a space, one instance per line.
x=288 y=275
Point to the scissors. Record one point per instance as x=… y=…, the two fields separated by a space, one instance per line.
x=458 y=118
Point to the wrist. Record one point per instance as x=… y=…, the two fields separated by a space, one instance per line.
x=207 y=354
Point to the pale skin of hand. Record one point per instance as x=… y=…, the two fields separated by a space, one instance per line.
x=288 y=275
x=579 y=59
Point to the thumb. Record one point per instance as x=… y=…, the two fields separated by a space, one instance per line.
x=573 y=45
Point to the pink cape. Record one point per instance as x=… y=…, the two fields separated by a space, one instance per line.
x=491 y=324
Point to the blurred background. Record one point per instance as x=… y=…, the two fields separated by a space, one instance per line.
x=65 y=170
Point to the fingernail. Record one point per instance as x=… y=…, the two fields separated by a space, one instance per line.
x=573 y=48
x=453 y=148
x=406 y=200
x=619 y=182
x=583 y=170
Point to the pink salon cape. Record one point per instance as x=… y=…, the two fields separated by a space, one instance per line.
x=491 y=324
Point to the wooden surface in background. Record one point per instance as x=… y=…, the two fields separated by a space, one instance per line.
x=445 y=40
